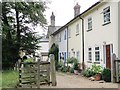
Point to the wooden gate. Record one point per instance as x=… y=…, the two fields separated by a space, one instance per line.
x=34 y=74
x=115 y=72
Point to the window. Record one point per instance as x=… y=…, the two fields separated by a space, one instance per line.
x=65 y=57
x=60 y=37
x=90 y=54
x=90 y=23
x=106 y=14
x=97 y=54
x=69 y=33
x=65 y=36
x=77 y=29
x=78 y=55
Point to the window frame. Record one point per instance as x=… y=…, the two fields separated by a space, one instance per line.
x=97 y=54
x=90 y=54
x=77 y=29
x=65 y=35
x=90 y=26
x=106 y=15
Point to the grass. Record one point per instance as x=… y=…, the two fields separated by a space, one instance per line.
x=9 y=79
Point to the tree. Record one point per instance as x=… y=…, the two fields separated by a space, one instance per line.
x=16 y=21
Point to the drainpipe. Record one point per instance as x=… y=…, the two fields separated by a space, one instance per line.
x=67 y=44
x=83 y=65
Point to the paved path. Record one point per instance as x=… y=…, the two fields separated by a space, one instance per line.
x=77 y=81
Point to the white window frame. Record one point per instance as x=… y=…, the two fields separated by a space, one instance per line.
x=65 y=35
x=69 y=33
x=97 y=54
x=77 y=29
x=59 y=37
x=90 y=54
x=106 y=15
x=89 y=23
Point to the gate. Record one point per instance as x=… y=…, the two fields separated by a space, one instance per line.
x=34 y=74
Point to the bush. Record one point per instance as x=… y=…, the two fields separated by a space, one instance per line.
x=88 y=73
x=96 y=69
x=71 y=70
x=65 y=69
x=106 y=75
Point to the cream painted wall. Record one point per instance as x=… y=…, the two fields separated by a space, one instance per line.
x=99 y=33
x=75 y=41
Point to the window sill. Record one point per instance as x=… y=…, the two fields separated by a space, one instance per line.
x=89 y=30
x=97 y=62
x=77 y=34
x=89 y=61
x=106 y=23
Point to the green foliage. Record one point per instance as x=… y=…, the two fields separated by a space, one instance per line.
x=71 y=70
x=106 y=75
x=15 y=30
x=95 y=69
x=75 y=65
x=88 y=73
x=54 y=50
x=9 y=79
x=28 y=60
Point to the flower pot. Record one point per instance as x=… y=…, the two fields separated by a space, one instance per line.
x=76 y=72
x=98 y=77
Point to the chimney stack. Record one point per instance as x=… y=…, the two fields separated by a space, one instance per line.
x=52 y=19
x=76 y=9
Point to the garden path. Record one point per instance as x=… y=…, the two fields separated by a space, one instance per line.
x=78 y=81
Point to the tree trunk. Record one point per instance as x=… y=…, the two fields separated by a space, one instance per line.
x=18 y=25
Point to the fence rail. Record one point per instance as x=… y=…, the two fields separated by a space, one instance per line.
x=37 y=73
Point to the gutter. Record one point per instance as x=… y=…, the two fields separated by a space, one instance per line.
x=83 y=41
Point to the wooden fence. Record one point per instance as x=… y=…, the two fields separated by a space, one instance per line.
x=115 y=70
x=34 y=74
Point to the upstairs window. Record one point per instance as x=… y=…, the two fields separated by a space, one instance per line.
x=69 y=33
x=90 y=23
x=77 y=29
x=65 y=35
x=60 y=37
x=97 y=54
x=106 y=15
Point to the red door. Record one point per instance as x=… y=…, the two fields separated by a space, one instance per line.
x=108 y=57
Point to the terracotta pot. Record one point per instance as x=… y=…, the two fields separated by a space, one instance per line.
x=98 y=77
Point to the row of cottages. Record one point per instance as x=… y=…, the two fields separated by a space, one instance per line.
x=92 y=36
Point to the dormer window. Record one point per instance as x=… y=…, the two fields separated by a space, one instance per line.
x=106 y=14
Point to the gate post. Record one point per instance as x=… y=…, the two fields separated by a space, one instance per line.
x=38 y=74
x=53 y=71
x=113 y=74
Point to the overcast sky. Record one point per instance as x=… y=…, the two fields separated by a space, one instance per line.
x=63 y=10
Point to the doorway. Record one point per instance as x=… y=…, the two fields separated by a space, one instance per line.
x=108 y=56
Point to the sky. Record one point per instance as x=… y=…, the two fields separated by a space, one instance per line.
x=63 y=11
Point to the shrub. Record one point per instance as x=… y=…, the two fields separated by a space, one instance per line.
x=71 y=70
x=96 y=69
x=65 y=69
x=106 y=75
x=88 y=73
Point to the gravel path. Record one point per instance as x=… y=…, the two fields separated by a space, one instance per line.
x=77 y=81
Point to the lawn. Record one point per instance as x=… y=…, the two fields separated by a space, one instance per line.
x=9 y=79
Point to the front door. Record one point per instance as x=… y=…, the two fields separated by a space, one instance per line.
x=108 y=57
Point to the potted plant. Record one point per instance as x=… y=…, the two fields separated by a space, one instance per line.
x=98 y=77
x=75 y=66
x=106 y=75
